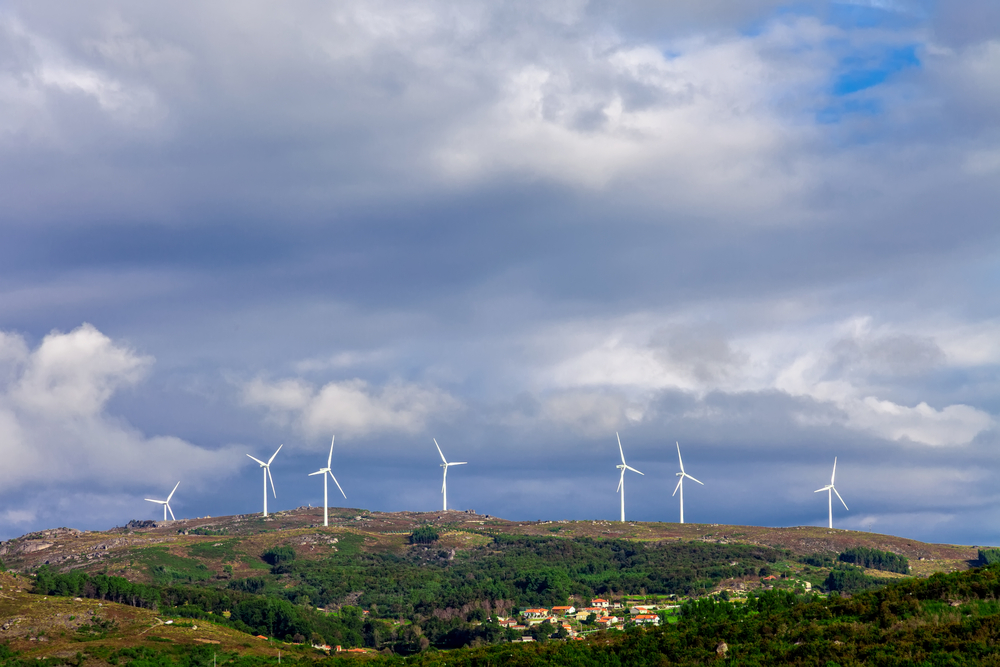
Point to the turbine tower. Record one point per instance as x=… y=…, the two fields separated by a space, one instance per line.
x=267 y=474
x=445 y=464
x=323 y=471
x=621 y=480
x=166 y=503
x=830 y=490
x=680 y=482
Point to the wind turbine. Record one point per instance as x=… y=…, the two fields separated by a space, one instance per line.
x=830 y=490
x=166 y=503
x=680 y=482
x=267 y=474
x=621 y=481
x=323 y=471
x=444 y=484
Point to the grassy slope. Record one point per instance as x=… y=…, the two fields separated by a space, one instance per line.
x=61 y=627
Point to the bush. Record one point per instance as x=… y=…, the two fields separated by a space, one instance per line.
x=424 y=535
x=278 y=555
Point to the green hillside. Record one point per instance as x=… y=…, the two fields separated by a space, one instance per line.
x=417 y=585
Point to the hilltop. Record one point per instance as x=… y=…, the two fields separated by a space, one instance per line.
x=247 y=536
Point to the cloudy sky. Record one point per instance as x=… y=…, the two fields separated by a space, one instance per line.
x=766 y=230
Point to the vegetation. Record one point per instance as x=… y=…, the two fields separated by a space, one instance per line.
x=849 y=579
x=818 y=560
x=424 y=535
x=876 y=559
x=989 y=556
x=277 y=555
x=445 y=600
x=949 y=620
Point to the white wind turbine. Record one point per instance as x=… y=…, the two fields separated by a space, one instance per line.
x=444 y=483
x=323 y=471
x=267 y=474
x=830 y=490
x=621 y=480
x=680 y=482
x=166 y=503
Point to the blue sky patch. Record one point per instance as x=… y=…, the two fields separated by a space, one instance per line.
x=860 y=73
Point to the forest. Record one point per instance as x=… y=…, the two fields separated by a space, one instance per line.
x=429 y=596
x=951 y=619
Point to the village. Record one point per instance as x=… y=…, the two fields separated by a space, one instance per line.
x=571 y=622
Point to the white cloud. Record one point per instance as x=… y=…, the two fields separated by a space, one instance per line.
x=834 y=364
x=351 y=406
x=592 y=413
x=42 y=73
x=54 y=424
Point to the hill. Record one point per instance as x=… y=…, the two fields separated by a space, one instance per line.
x=187 y=546
x=407 y=581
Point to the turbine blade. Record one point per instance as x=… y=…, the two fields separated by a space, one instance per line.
x=275 y=453
x=821 y=490
x=634 y=470
x=329 y=460
x=267 y=471
x=459 y=463
x=834 y=470
x=693 y=479
x=172 y=492
x=620 y=450
x=171 y=511
x=679 y=459
x=156 y=501
x=338 y=485
x=621 y=480
x=257 y=460
x=444 y=479
x=319 y=472
x=440 y=453
x=841 y=499
x=679 y=482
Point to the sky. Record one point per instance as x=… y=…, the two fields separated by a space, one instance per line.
x=764 y=230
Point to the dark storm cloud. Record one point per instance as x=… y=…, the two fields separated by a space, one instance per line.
x=764 y=230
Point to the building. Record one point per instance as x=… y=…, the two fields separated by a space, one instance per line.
x=642 y=609
x=646 y=619
x=535 y=613
x=600 y=602
x=582 y=614
x=564 y=611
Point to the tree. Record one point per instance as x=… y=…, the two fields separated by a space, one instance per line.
x=424 y=535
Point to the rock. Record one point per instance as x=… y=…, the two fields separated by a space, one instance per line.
x=722 y=649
